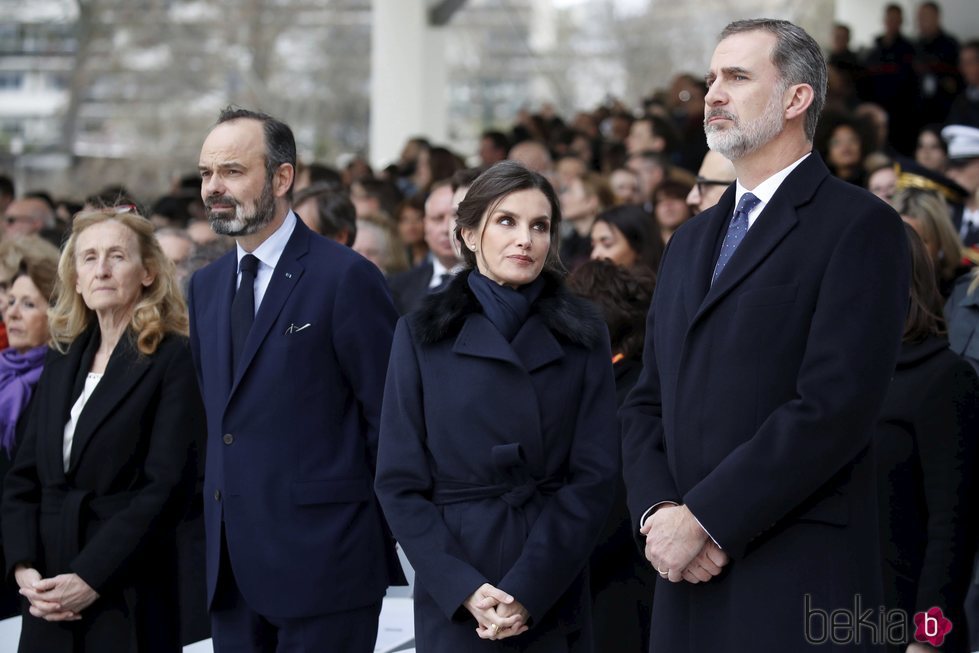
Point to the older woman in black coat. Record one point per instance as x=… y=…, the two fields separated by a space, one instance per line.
x=498 y=446
x=106 y=466
x=926 y=461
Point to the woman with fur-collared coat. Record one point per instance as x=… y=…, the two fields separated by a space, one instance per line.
x=498 y=445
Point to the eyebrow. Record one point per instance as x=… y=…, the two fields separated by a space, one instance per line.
x=727 y=72
x=514 y=215
x=222 y=165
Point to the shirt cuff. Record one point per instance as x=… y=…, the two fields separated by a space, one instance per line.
x=652 y=509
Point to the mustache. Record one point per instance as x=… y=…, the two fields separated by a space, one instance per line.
x=222 y=199
x=720 y=113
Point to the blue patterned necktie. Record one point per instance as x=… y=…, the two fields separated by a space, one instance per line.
x=735 y=232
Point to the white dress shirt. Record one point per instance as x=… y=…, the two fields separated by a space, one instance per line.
x=91 y=381
x=268 y=254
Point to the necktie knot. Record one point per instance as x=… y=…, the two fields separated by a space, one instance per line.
x=248 y=265
x=736 y=231
x=747 y=203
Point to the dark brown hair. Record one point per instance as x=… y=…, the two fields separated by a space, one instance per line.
x=925 y=309
x=623 y=295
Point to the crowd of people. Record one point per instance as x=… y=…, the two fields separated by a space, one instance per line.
x=599 y=423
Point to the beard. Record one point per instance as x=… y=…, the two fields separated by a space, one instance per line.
x=740 y=140
x=242 y=223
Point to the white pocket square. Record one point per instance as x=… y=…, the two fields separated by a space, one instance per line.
x=293 y=328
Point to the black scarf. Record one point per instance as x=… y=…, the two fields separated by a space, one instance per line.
x=507 y=308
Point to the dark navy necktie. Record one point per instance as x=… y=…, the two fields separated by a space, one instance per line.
x=243 y=307
x=443 y=283
x=735 y=232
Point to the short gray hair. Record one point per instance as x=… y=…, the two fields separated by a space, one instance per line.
x=797 y=58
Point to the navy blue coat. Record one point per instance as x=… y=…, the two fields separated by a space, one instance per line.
x=292 y=437
x=756 y=408
x=498 y=461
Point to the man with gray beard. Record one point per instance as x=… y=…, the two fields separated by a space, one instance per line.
x=291 y=335
x=769 y=347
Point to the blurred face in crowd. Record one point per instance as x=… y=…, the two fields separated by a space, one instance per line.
x=671 y=212
x=928 y=21
x=26 y=315
x=625 y=186
x=841 y=38
x=743 y=109
x=893 y=17
x=309 y=212
x=883 y=183
x=568 y=169
x=439 y=218
x=489 y=153
x=111 y=276
x=649 y=173
x=969 y=65
x=930 y=153
x=576 y=202
x=371 y=243
x=237 y=193
x=607 y=242
x=844 y=148
x=25 y=217
x=411 y=225
x=642 y=137
x=364 y=204
x=715 y=175
x=965 y=174
x=175 y=248
x=513 y=238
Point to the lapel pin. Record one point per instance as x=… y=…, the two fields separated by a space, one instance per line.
x=288 y=275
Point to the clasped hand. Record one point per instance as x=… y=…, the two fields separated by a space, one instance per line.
x=498 y=615
x=61 y=598
x=679 y=549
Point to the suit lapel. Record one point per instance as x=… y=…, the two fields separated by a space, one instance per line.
x=220 y=338
x=704 y=255
x=535 y=345
x=62 y=373
x=776 y=221
x=286 y=275
x=478 y=337
x=125 y=369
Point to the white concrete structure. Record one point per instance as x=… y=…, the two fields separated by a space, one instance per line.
x=408 y=78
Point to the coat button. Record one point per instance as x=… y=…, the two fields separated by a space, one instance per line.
x=228 y=438
x=217 y=495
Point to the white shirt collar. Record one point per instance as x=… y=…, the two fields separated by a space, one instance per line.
x=765 y=191
x=269 y=252
x=438 y=270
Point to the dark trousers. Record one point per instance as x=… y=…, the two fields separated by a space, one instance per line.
x=236 y=628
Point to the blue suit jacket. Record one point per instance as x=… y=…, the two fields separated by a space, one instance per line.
x=757 y=404
x=292 y=434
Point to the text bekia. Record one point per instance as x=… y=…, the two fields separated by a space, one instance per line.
x=854 y=625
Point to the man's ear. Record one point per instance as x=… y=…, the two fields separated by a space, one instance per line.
x=282 y=181
x=800 y=97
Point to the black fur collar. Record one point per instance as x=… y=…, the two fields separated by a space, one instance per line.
x=565 y=314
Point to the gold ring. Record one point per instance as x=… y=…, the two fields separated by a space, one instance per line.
x=494 y=628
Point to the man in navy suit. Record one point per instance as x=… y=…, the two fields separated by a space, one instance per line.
x=769 y=347
x=291 y=335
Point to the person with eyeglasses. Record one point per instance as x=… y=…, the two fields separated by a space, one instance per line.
x=26 y=216
x=715 y=175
